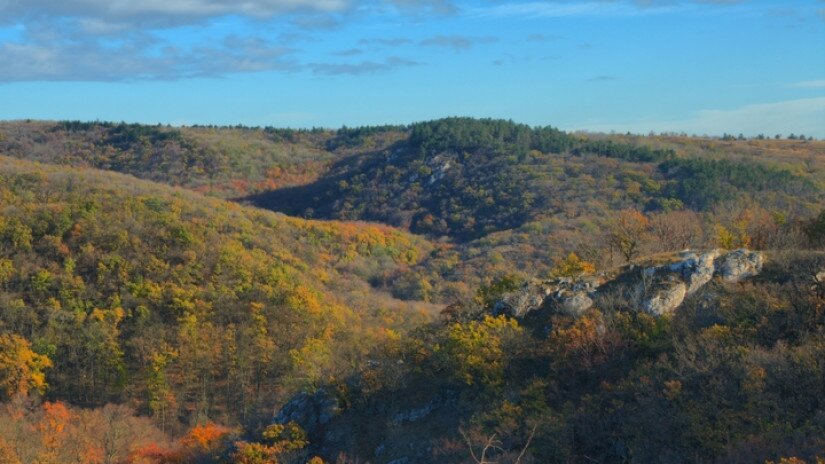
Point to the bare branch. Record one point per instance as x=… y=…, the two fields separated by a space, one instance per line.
x=526 y=445
x=469 y=445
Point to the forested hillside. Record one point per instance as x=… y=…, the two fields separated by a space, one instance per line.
x=226 y=162
x=509 y=198
x=503 y=199
x=151 y=323
x=735 y=375
x=465 y=178
x=185 y=307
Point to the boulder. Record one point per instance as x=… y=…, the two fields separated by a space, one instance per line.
x=312 y=411
x=520 y=302
x=666 y=298
x=738 y=264
x=571 y=303
x=564 y=295
x=696 y=269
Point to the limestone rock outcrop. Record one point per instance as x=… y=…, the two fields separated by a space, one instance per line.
x=520 y=302
x=666 y=298
x=696 y=269
x=661 y=288
x=739 y=264
x=564 y=295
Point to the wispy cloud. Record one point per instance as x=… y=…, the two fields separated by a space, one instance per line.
x=802 y=116
x=349 y=52
x=391 y=42
x=427 y=6
x=543 y=37
x=504 y=59
x=602 y=78
x=363 y=67
x=815 y=84
x=139 y=58
x=557 y=9
x=560 y=9
x=456 y=42
x=111 y=40
x=159 y=12
x=659 y=3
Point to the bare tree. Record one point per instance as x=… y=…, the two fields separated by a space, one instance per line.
x=628 y=232
x=676 y=230
x=491 y=444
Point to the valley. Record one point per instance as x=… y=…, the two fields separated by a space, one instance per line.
x=408 y=294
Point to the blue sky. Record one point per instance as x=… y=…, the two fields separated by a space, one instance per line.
x=698 y=66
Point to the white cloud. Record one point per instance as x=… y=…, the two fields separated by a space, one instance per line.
x=803 y=116
x=169 y=13
x=107 y=40
x=180 y=9
x=130 y=60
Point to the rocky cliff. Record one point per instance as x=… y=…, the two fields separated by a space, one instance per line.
x=660 y=288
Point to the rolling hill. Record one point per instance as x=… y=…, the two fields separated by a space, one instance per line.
x=502 y=199
x=214 y=294
x=183 y=305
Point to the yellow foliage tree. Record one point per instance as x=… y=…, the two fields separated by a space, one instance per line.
x=572 y=266
x=475 y=350
x=21 y=369
x=278 y=439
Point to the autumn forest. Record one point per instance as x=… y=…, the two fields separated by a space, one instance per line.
x=451 y=291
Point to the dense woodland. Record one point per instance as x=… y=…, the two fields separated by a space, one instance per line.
x=147 y=318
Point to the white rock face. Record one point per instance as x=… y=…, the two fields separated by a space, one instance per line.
x=528 y=298
x=574 y=304
x=696 y=269
x=738 y=265
x=564 y=296
x=670 y=284
x=666 y=299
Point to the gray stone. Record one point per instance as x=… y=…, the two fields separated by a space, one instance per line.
x=520 y=302
x=666 y=298
x=572 y=303
x=564 y=295
x=310 y=411
x=697 y=270
x=738 y=264
x=665 y=286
